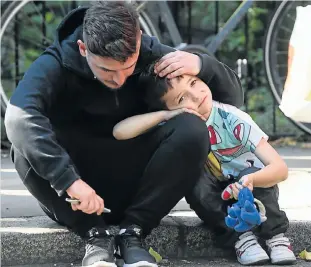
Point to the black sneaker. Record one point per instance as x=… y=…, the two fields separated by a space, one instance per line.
x=131 y=249
x=99 y=249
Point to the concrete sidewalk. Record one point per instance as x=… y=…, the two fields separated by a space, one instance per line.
x=28 y=237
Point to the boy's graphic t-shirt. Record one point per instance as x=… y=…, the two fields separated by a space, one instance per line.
x=234 y=137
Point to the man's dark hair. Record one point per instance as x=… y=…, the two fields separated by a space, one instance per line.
x=110 y=29
x=154 y=88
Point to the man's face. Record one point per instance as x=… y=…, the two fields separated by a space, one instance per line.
x=189 y=92
x=110 y=72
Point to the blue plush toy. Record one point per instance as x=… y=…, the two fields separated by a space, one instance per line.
x=243 y=215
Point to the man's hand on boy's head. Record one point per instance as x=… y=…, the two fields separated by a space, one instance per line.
x=178 y=63
x=169 y=114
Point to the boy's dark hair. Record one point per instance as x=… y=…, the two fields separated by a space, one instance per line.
x=154 y=88
x=110 y=29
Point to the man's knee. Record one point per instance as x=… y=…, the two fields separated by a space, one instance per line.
x=190 y=134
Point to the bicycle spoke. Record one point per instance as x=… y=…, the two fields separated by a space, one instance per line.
x=282 y=40
x=281 y=52
x=63 y=10
x=36 y=27
x=285 y=29
x=292 y=18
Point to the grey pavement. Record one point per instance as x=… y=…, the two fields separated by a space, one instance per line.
x=179 y=236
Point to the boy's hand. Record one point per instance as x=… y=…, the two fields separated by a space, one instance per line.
x=169 y=114
x=178 y=63
x=245 y=181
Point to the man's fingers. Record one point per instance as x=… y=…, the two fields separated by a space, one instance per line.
x=74 y=207
x=101 y=205
x=83 y=206
x=169 y=68
x=164 y=64
x=167 y=56
x=91 y=207
x=96 y=207
x=178 y=72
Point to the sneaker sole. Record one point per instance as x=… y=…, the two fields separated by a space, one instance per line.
x=102 y=264
x=140 y=264
x=284 y=261
x=260 y=261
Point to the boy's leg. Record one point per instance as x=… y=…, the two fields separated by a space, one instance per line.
x=274 y=228
x=206 y=201
x=277 y=221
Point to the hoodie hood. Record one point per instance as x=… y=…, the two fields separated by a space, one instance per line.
x=65 y=45
x=66 y=49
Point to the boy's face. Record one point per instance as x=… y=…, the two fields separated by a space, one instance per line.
x=189 y=92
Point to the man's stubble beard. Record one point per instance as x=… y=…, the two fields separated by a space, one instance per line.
x=115 y=89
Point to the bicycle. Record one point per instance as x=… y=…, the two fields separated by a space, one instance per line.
x=38 y=14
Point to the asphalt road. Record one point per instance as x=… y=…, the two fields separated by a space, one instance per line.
x=184 y=263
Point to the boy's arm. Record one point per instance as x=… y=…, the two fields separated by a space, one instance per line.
x=275 y=169
x=137 y=125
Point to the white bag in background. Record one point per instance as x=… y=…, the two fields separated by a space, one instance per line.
x=296 y=98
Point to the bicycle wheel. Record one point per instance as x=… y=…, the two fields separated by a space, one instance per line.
x=276 y=50
x=38 y=19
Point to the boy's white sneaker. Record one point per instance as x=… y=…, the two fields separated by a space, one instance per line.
x=249 y=251
x=280 y=250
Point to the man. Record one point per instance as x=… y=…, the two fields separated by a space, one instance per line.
x=60 y=120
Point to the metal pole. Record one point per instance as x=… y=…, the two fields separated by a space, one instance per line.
x=43 y=13
x=216 y=17
x=189 y=4
x=246 y=32
x=16 y=50
x=73 y=5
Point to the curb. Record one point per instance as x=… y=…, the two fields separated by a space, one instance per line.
x=36 y=240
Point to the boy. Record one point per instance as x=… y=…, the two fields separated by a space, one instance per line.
x=239 y=151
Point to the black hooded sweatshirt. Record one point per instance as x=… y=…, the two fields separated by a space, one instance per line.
x=59 y=98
